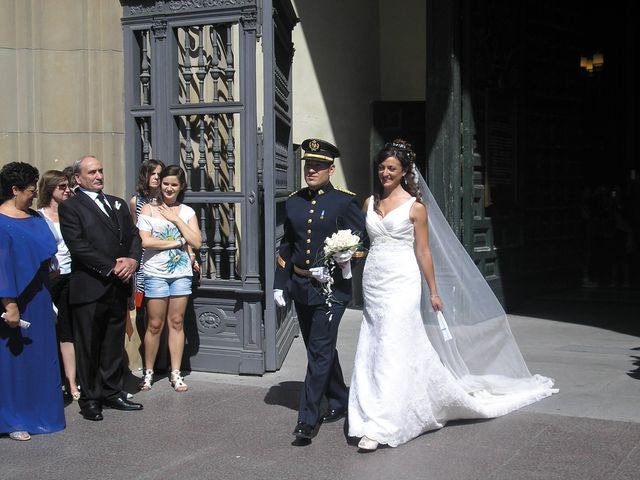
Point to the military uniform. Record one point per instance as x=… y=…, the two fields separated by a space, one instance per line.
x=312 y=216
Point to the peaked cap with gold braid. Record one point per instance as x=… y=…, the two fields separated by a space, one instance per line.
x=319 y=150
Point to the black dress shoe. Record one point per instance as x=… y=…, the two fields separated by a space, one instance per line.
x=304 y=430
x=119 y=403
x=91 y=411
x=333 y=415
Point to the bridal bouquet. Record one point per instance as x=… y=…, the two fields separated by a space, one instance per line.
x=338 y=248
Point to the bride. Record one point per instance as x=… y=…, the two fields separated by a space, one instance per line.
x=427 y=355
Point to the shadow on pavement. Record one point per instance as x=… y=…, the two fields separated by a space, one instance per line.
x=615 y=309
x=285 y=394
x=636 y=363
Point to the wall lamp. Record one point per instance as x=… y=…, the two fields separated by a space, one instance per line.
x=592 y=63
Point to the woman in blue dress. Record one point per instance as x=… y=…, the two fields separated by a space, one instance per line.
x=30 y=398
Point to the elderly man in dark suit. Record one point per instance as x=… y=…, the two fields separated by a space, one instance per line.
x=105 y=251
x=313 y=214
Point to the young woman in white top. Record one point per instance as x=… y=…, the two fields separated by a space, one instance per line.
x=147 y=191
x=169 y=233
x=54 y=189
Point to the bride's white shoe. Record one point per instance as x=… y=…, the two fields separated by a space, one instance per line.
x=367 y=443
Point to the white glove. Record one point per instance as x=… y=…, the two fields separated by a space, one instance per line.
x=321 y=274
x=278 y=297
x=342 y=257
x=346 y=271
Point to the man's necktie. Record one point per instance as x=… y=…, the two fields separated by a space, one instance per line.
x=107 y=208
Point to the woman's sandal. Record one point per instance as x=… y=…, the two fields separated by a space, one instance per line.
x=146 y=380
x=177 y=382
x=20 y=436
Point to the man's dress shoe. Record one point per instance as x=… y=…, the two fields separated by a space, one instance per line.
x=119 y=403
x=304 y=430
x=91 y=411
x=333 y=415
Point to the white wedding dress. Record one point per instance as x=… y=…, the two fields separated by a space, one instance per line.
x=400 y=388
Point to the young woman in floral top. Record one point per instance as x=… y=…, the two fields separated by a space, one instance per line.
x=169 y=233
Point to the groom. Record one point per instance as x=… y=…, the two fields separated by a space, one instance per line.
x=313 y=214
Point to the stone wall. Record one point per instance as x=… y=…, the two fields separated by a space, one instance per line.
x=61 y=78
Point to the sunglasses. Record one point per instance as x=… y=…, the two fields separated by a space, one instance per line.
x=63 y=186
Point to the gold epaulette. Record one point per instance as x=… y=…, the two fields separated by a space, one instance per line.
x=293 y=193
x=344 y=190
x=281 y=262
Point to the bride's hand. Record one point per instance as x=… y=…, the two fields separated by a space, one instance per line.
x=436 y=303
x=346 y=270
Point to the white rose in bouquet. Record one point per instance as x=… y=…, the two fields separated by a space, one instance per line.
x=341 y=246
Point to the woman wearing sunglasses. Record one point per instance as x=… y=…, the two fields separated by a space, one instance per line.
x=53 y=189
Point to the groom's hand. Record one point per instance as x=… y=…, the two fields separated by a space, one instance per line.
x=321 y=274
x=278 y=298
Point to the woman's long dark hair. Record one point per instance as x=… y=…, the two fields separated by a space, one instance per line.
x=146 y=169
x=401 y=150
x=175 y=171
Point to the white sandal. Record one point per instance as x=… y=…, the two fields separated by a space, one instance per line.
x=147 y=380
x=367 y=444
x=177 y=382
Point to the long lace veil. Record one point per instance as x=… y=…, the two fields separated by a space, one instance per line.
x=473 y=339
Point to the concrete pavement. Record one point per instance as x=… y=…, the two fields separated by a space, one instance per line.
x=231 y=427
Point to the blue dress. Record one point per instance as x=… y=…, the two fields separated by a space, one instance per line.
x=30 y=396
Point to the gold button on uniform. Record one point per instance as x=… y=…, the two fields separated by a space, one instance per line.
x=309 y=221
x=308 y=240
x=309 y=231
x=308 y=252
x=311 y=211
x=313 y=202
x=307 y=262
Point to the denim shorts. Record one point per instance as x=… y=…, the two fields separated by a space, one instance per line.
x=157 y=287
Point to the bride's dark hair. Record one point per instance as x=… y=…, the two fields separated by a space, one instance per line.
x=400 y=149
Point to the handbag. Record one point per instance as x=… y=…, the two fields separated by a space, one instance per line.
x=195 y=271
x=139 y=299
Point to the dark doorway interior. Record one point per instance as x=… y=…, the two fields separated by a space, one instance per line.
x=404 y=120
x=557 y=141
x=532 y=118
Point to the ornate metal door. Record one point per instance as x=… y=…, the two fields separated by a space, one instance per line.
x=191 y=99
x=281 y=167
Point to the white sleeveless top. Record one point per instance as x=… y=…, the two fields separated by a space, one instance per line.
x=62 y=255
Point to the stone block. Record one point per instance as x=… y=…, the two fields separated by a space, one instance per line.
x=63 y=91
x=59 y=25
x=8 y=26
x=8 y=87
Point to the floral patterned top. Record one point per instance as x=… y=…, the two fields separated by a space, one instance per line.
x=173 y=263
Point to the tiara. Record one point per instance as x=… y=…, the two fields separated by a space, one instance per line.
x=403 y=146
